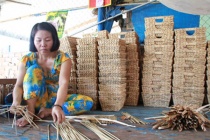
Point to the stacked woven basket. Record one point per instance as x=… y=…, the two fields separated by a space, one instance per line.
x=87 y=68
x=112 y=73
x=68 y=44
x=132 y=45
x=189 y=66
x=157 y=61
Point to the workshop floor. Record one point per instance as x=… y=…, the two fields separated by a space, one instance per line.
x=144 y=132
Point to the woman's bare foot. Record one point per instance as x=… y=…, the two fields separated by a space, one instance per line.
x=22 y=122
x=44 y=112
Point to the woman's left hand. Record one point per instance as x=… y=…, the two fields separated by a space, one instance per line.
x=58 y=114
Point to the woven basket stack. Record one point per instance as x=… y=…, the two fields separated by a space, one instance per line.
x=157 y=61
x=112 y=73
x=132 y=45
x=68 y=45
x=189 y=66
x=87 y=68
x=208 y=71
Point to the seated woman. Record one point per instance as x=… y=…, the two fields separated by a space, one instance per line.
x=43 y=78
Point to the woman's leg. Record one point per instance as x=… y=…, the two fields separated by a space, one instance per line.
x=34 y=89
x=77 y=104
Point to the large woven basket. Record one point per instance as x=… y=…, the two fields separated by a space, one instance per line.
x=190 y=32
x=159 y=22
x=112 y=102
x=195 y=99
x=160 y=99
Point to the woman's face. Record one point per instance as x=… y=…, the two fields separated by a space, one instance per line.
x=43 y=41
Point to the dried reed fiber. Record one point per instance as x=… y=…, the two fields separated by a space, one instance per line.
x=102 y=133
x=68 y=132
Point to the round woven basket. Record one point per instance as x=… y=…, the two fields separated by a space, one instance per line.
x=112 y=102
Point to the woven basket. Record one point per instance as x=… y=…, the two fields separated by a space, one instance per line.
x=189 y=61
x=132 y=99
x=111 y=42
x=189 y=99
x=164 y=34
x=189 y=69
x=160 y=55
x=132 y=48
x=132 y=83
x=104 y=56
x=112 y=80
x=156 y=82
x=180 y=40
x=149 y=42
x=112 y=88
x=163 y=61
x=90 y=66
x=116 y=35
x=86 y=80
x=195 y=32
x=131 y=40
x=132 y=76
x=88 y=92
x=156 y=75
x=158 y=68
x=131 y=34
x=188 y=76
x=133 y=56
x=117 y=48
x=190 y=53
x=87 y=73
x=116 y=62
x=158 y=48
x=110 y=68
x=112 y=102
x=161 y=99
x=156 y=89
x=87 y=60
x=87 y=86
x=190 y=46
x=87 y=41
x=183 y=90
x=159 y=22
x=99 y=34
x=133 y=69
x=87 y=54
x=183 y=83
x=91 y=47
x=113 y=74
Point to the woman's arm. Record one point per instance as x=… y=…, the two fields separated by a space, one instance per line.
x=18 y=89
x=64 y=78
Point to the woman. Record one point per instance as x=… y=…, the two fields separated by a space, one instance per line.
x=43 y=78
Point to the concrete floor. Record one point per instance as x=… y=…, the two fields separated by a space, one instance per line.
x=144 y=132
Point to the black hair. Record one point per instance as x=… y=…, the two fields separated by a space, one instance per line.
x=47 y=27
